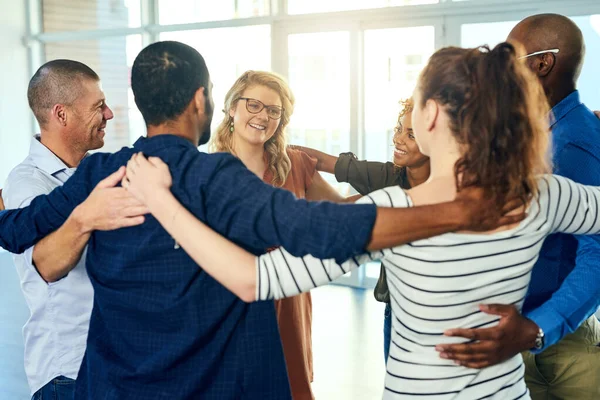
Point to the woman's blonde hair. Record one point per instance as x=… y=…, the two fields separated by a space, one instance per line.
x=278 y=161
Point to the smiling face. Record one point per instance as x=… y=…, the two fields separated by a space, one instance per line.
x=406 y=150
x=255 y=128
x=91 y=114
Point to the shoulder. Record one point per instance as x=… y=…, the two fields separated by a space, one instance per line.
x=304 y=167
x=578 y=125
x=298 y=158
x=393 y=196
x=24 y=183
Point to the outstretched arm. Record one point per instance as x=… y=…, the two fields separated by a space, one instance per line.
x=21 y=228
x=364 y=176
x=320 y=190
x=274 y=275
x=106 y=208
x=150 y=181
x=574 y=210
x=325 y=162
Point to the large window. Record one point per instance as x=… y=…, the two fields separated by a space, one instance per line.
x=317 y=6
x=190 y=11
x=348 y=62
x=81 y=15
x=393 y=59
x=228 y=53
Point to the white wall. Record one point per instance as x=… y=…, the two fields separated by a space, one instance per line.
x=15 y=118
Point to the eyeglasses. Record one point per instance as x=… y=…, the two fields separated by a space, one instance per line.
x=555 y=51
x=255 y=106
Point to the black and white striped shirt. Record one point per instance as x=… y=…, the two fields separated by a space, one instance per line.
x=438 y=283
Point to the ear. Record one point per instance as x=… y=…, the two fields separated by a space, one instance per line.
x=59 y=113
x=232 y=111
x=543 y=64
x=431 y=113
x=200 y=100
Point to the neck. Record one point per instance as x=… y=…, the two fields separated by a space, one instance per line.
x=557 y=94
x=67 y=153
x=443 y=157
x=418 y=174
x=251 y=155
x=183 y=127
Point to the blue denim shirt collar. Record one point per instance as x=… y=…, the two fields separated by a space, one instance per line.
x=563 y=108
x=151 y=144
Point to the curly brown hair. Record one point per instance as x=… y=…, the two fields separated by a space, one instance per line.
x=498 y=113
x=407 y=105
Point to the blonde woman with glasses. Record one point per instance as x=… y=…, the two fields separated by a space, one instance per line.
x=257 y=110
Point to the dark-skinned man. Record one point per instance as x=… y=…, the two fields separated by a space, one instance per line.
x=558 y=325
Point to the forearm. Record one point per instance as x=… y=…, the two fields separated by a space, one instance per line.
x=226 y=262
x=58 y=253
x=577 y=298
x=366 y=176
x=282 y=275
x=396 y=226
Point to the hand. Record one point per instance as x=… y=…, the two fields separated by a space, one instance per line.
x=109 y=207
x=480 y=212
x=146 y=177
x=325 y=162
x=513 y=334
x=1 y=201
x=597 y=113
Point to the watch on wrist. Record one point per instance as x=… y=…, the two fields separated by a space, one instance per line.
x=539 y=340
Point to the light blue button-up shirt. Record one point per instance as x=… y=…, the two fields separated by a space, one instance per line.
x=55 y=334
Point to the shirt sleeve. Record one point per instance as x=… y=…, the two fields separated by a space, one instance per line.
x=21 y=229
x=579 y=294
x=20 y=193
x=308 y=165
x=280 y=274
x=366 y=176
x=249 y=212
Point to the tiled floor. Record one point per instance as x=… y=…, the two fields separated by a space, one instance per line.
x=347 y=341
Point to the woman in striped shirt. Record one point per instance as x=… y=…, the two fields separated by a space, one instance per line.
x=480 y=116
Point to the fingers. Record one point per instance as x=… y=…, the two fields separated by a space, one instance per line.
x=475 y=364
x=498 y=309
x=511 y=219
x=487 y=355
x=157 y=162
x=138 y=161
x=511 y=205
x=474 y=334
x=131 y=166
x=113 y=179
x=128 y=222
x=134 y=211
x=472 y=355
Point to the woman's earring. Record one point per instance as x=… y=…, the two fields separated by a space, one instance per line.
x=231 y=127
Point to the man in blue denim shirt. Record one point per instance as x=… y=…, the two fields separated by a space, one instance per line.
x=160 y=327
x=564 y=291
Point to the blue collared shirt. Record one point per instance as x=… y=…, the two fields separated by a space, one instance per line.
x=56 y=331
x=565 y=288
x=161 y=328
